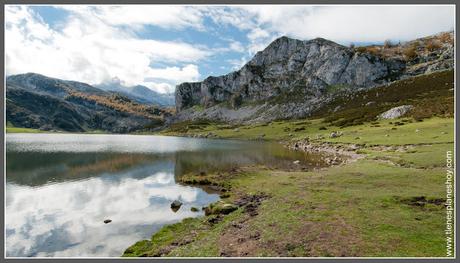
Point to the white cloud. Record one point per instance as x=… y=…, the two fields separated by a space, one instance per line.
x=171 y=76
x=237 y=63
x=236 y=46
x=166 y=16
x=161 y=87
x=32 y=213
x=90 y=50
x=189 y=72
x=258 y=33
x=349 y=23
x=98 y=43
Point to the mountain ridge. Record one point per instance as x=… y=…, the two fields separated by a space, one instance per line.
x=291 y=78
x=141 y=94
x=36 y=101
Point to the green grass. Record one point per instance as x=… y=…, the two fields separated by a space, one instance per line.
x=356 y=209
x=22 y=130
x=10 y=129
x=343 y=211
x=434 y=130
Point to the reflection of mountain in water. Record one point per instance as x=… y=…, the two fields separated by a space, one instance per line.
x=60 y=188
x=38 y=168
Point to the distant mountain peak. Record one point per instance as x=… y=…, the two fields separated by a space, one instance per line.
x=304 y=71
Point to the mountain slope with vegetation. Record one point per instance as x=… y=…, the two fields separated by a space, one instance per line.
x=140 y=94
x=38 y=102
x=293 y=78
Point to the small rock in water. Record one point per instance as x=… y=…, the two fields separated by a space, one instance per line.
x=107 y=221
x=176 y=203
x=296 y=162
x=175 y=206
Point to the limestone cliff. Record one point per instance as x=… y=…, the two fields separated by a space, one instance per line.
x=291 y=78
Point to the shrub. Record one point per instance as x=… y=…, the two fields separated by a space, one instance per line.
x=415 y=44
x=236 y=100
x=361 y=49
x=432 y=45
x=388 y=44
x=410 y=53
x=373 y=50
x=446 y=38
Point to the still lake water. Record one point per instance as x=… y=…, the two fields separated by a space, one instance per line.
x=61 y=187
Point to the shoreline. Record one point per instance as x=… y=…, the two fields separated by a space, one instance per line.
x=270 y=193
x=374 y=183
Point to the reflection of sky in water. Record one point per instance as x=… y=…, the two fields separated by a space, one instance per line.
x=61 y=187
x=66 y=219
x=109 y=143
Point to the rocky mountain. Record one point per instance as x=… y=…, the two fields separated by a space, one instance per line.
x=140 y=94
x=292 y=78
x=37 y=101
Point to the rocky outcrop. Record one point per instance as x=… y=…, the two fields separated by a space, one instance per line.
x=290 y=65
x=395 y=112
x=290 y=79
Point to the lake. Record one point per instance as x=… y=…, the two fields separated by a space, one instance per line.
x=61 y=187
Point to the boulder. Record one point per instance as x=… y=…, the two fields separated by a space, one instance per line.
x=220 y=208
x=176 y=204
x=395 y=112
x=335 y=134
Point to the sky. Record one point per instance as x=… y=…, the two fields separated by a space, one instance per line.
x=160 y=46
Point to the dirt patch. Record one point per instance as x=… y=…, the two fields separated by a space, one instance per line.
x=420 y=201
x=336 y=238
x=251 y=203
x=239 y=240
x=167 y=249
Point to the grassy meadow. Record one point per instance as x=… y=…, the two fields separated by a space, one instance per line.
x=390 y=203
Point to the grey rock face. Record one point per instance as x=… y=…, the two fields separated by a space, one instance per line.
x=292 y=78
x=289 y=65
x=395 y=112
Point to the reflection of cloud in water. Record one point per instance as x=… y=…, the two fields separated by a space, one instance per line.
x=61 y=187
x=66 y=219
x=106 y=143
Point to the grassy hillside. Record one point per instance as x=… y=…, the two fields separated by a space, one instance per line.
x=431 y=94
